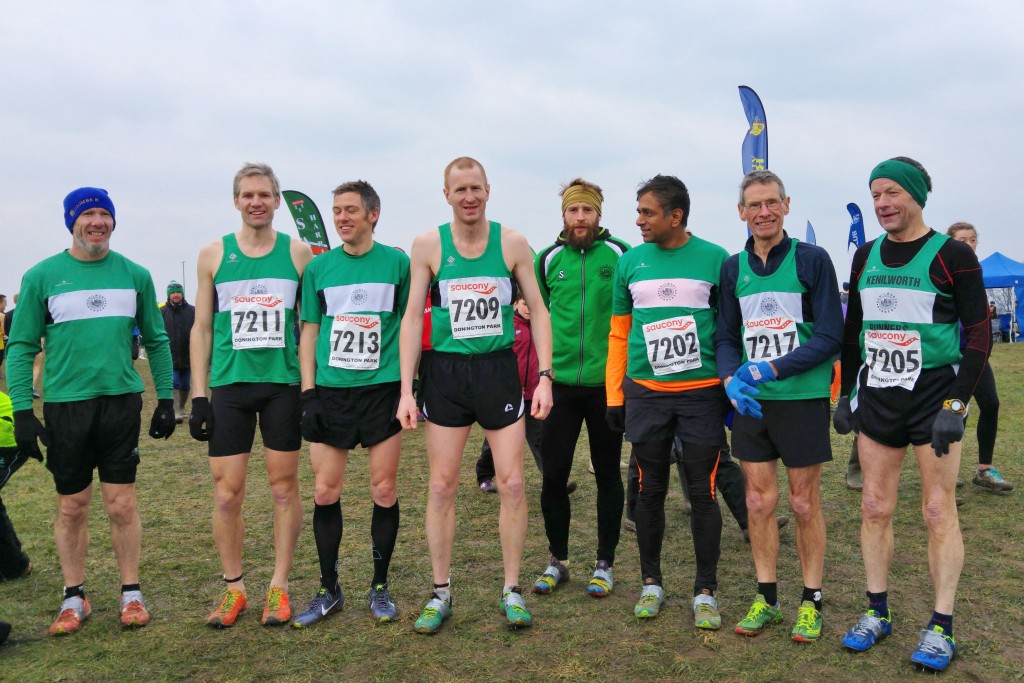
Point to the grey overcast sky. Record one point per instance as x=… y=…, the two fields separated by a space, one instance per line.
x=160 y=103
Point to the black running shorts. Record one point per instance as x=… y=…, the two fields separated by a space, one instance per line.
x=694 y=417
x=896 y=417
x=360 y=415
x=798 y=432
x=235 y=411
x=462 y=389
x=99 y=433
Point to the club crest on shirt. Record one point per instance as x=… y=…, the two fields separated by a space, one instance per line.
x=605 y=272
x=769 y=307
x=96 y=302
x=358 y=296
x=667 y=291
x=886 y=302
x=258 y=288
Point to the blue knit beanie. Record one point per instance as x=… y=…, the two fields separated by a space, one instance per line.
x=83 y=199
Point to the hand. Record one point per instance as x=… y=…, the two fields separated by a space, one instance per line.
x=540 y=404
x=739 y=393
x=314 y=419
x=948 y=428
x=842 y=419
x=407 y=411
x=753 y=374
x=615 y=416
x=162 y=424
x=27 y=429
x=200 y=422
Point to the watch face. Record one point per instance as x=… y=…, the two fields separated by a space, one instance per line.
x=957 y=406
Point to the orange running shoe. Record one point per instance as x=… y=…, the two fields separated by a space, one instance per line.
x=231 y=606
x=133 y=609
x=278 y=610
x=73 y=611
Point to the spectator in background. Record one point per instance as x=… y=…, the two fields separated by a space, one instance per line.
x=179 y=316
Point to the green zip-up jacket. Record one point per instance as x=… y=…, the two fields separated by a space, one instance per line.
x=577 y=288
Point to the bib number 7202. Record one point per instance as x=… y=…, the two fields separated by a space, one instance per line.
x=672 y=347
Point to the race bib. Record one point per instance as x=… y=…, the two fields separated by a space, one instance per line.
x=672 y=345
x=893 y=358
x=770 y=338
x=257 y=321
x=355 y=341
x=474 y=308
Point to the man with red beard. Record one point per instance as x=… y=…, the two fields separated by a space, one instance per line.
x=575 y=277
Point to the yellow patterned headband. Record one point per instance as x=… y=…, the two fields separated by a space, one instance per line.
x=581 y=193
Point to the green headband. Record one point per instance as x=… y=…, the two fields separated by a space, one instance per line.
x=908 y=176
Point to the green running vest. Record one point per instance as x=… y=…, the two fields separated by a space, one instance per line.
x=773 y=325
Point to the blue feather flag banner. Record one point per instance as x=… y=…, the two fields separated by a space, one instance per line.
x=755 y=143
x=810 y=234
x=856 y=237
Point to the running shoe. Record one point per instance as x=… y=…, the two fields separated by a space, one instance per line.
x=381 y=606
x=278 y=610
x=555 y=575
x=323 y=603
x=935 y=651
x=601 y=584
x=73 y=611
x=434 y=614
x=629 y=525
x=992 y=480
x=758 y=617
x=705 y=611
x=487 y=486
x=232 y=604
x=652 y=597
x=133 y=609
x=870 y=629
x=808 y=623
x=513 y=606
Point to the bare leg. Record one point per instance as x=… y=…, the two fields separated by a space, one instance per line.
x=762 y=498
x=228 y=526
x=938 y=505
x=881 y=466
x=507 y=446
x=283 y=475
x=444 y=450
x=805 y=499
x=71 y=532
x=122 y=507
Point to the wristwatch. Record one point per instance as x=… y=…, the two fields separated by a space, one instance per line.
x=955 y=405
x=550 y=374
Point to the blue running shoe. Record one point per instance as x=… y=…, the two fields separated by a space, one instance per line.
x=323 y=603
x=870 y=629
x=381 y=606
x=935 y=651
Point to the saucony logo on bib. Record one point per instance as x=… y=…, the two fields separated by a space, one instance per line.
x=770 y=323
x=263 y=300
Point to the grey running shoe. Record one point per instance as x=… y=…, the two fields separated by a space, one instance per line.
x=323 y=603
x=381 y=606
x=992 y=480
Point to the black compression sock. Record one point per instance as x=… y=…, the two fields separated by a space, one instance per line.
x=770 y=591
x=328 y=527
x=383 y=533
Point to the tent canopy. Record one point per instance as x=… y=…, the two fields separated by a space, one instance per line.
x=1002 y=271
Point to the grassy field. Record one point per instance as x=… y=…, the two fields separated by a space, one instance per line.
x=575 y=637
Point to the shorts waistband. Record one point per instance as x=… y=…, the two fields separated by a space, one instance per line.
x=472 y=357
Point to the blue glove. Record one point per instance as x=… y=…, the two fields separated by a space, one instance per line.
x=739 y=393
x=753 y=374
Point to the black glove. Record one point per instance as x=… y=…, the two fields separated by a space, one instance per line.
x=28 y=428
x=842 y=419
x=314 y=419
x=615 y=416
x=948 y=428
x=200 y=422
x=162 y=424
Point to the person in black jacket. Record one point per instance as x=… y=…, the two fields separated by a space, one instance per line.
x=179 y=315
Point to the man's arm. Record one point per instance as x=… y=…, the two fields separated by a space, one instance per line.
x=618 y=338
x=150 y=320
x=515 y=246
x=728 y=339
x=307 y=354
x=421 y=257
x=850 y=355
x=201 y=339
